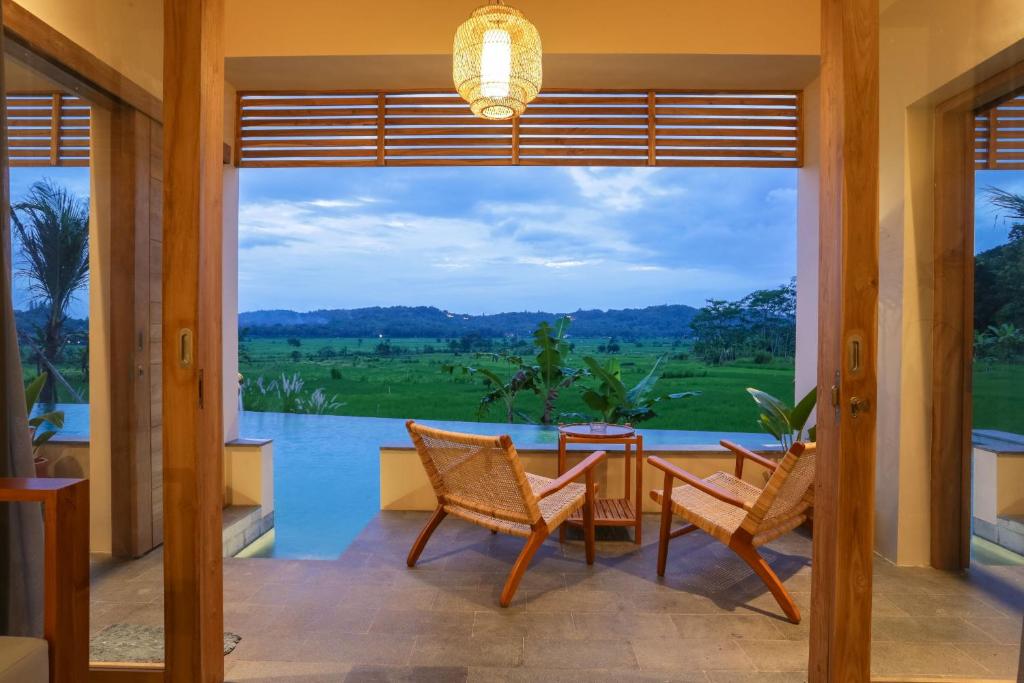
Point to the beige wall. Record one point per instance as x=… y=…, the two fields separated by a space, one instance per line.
x=126 y=34
x=930 y=49
x=416 y=27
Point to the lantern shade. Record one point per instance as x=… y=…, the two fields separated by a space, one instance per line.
x=496 y=62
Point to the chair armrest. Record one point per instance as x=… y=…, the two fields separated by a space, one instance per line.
x=742 y=453
x=695 y=482
x=582 y=468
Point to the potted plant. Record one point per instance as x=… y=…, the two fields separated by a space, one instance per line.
x=783 y=422
x=43 y=427
x=618 y=404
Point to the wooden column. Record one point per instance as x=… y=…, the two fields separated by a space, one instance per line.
x=193 y=435
x=952 y=338
x=130 y=464
x=840 y=646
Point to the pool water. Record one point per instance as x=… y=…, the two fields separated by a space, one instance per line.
x=326 y=477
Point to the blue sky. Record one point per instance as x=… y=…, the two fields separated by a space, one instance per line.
x=491 y=239
x=483 y=240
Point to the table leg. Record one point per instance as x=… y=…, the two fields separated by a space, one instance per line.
x=561 y=468
x=638 y=529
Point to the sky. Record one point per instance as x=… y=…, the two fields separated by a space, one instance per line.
x=492 y=239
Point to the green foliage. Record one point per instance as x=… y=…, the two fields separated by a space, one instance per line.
x=287 y=394
x=999 y=343
x=763 y=322
x=999 y=272
x=546 y=376
x=45 y=425
x=617 y=404
x=781 y=421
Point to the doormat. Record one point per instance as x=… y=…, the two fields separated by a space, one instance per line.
x=136 y=643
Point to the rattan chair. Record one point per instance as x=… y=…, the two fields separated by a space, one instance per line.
x=739 y=514
x=481 y=480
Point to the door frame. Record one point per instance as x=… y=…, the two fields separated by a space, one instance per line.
x=953 y=315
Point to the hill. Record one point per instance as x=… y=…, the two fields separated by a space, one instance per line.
x=427 y=321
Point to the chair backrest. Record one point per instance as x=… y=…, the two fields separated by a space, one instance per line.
x=789 y=491
x=480 y=473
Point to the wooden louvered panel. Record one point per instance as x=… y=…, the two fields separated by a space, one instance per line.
x=591 y=128
x=717 y=129
x=999 y=137
x=47 y=129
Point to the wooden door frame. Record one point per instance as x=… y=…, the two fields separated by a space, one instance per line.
x=131 y=108
x=953 y=316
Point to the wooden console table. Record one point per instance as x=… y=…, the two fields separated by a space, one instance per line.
x=626 y=511
x=66 y=568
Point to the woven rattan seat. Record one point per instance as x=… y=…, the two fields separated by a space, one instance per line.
x=739 y=514
x=481 y=480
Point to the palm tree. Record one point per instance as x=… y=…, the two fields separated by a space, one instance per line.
x=52 y=226
x=1013 y=205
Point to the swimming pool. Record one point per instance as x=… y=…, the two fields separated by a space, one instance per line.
x=326 y=478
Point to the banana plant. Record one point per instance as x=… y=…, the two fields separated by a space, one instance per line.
x=546 y=376
x=618 y=404
x=38 y=424
x=783 y=422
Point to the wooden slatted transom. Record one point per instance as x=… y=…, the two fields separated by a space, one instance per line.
x=578 y=128
x=47 y=129
x=999 y=137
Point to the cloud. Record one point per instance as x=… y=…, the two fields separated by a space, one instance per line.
x=620 y=189
x=782 y=195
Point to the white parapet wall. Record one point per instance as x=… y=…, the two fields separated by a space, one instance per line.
x=404 y=485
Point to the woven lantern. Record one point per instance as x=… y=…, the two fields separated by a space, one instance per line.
x=496 y=62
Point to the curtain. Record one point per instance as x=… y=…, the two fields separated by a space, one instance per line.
x=21 y=524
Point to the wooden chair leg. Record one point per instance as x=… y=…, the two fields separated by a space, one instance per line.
x=758 y=564
x=519 y=568
x=666 y=524
x=588 y=518
x=421 y=540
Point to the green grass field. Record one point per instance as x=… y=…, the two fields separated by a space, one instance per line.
x=998 y=392
x=412 y=383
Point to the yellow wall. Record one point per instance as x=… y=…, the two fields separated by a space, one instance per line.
x=126 y=34
x=930 y=49
x=418 y=27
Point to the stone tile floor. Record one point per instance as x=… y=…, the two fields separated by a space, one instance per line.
x=365 y=617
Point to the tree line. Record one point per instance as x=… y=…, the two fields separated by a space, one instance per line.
x=761 y=325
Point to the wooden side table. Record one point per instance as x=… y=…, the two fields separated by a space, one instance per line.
x=626 y=511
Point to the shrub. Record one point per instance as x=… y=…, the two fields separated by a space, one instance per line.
x=335 y=373
x=762 y=358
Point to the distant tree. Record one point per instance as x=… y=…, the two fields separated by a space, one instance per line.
x=51 y=225
x=999 y=272
x=325 y=353
x=294 y=341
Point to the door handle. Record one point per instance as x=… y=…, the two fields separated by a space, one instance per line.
x=858 y=406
